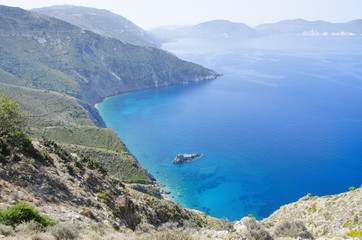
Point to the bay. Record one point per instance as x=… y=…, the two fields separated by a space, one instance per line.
x=284 y=120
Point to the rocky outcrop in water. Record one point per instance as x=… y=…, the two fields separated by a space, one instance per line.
x=181 y=158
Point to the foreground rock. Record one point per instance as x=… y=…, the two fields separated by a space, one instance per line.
x=181 y=158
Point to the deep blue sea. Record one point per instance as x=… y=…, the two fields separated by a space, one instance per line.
x=284 y=120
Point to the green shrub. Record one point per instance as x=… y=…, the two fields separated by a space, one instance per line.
x=2 y=159
x=352 y=188
x=4 y=148
x=251 y=215
x=355 y=233
x=198 y=223
x=105 y=197
x=23 y=212
x=13 y=121
x=46 y=159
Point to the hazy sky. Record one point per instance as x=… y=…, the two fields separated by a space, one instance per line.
x=152 y=13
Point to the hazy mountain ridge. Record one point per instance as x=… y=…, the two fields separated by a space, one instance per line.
x=226 y=30
x=102 y=22
x=304 y=27
x=216 y=29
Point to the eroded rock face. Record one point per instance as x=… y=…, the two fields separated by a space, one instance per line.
x=181 y=158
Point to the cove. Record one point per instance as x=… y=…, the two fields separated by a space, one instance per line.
x=284 y=120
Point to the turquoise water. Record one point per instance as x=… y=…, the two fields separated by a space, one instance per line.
x=284 y=120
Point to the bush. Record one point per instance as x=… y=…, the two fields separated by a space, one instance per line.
x=295 y=229
x=23 y=212
x=355 y=233
x=172 y=234
x=86 y=212
x=28 y=228
x=352 y=188
x=249 y=228
x=6 y=230
x=64 y=231
x=167 y=225
x=13 y=121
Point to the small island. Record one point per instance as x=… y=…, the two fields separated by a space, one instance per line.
x=181 y=158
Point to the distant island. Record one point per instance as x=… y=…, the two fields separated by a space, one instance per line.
x=181 y=158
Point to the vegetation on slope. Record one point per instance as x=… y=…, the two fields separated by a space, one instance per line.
x=50 y=176
x=102 y=22
x=58 y=117
x=121 y=164
x=23 y=212
x=48 y=108
x=47 y=53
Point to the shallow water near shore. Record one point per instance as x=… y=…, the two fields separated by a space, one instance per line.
x=284 y=120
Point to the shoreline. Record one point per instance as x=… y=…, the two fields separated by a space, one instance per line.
x=165 y=193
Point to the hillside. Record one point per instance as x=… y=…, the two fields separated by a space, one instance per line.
x=102 y=22
x=82 y=200
x=75 y=189
x=59 y=117
x=46 y=53
x=90 y=203
x=333 y=215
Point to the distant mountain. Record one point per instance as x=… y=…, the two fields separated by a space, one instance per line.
x=216 y=29
x=304 y=27
x=102 y=22
x=46 y=53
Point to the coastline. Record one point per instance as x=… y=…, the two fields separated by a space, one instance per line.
x=164 y=192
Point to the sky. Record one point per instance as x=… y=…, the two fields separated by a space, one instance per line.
x=153 y=13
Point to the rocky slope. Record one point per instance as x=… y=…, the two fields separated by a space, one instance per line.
x=102 y=22
x=75 y=188
x=329 y=217
x=325 y=216
x=68 y=187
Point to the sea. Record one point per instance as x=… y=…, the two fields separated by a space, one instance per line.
x=284 y=120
